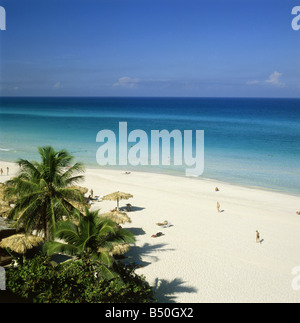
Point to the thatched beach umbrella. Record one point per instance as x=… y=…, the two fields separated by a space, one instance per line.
x=2 y=188
x=4 y=210
x=4 y=205
x=120 y=249
x=117 y=196
x=78 y=205
x=4 y=199
x=117 y=250
x=82 y=190
x=117 y=216
x=20 y=243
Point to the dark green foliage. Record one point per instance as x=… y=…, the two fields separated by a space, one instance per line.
x=76 y=282
x=85 y=238
x=43 y=195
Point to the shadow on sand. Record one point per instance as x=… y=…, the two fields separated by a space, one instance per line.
x=137 y=231
x=165 y=290
x=133 y=209
x=136 y=253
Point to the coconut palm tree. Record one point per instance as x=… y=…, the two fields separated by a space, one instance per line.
x=91 y=238
x=43 y=190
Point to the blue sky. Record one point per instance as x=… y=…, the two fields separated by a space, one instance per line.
x=205 y=48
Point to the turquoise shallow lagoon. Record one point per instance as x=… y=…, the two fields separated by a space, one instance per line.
x=252 y=142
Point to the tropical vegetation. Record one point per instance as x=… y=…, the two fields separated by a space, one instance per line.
x=92 y=238
x=47 y=204
x=44 y=191
x=39 y=281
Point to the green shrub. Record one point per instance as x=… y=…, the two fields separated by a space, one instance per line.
x=76 y=282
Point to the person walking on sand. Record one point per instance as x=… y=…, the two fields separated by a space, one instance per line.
x=92 y=193
x=257 y=237
x=7 y=169
x=218 y=207
x=1 y=171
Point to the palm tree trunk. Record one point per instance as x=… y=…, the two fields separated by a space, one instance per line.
x=46 y=230
x=45 y=223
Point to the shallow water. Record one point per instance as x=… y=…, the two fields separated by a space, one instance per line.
x=247 y=141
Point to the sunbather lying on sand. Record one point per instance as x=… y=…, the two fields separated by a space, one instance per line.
x=93 y=198
x=163 y=223
x=158 y=234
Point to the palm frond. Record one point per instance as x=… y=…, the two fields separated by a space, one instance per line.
x=54 y=247
x=20 y=186
x=41 y=190
x=70 y=194
x=106 y=272
x=60 y=209
x=106 y=227
x=67 y=231
x=112 y=241
x=27 y=205
x=70 y=177
x=93 y=236
x=105 y=258
x=28 y=168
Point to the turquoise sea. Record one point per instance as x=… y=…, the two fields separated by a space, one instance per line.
x=252 y=142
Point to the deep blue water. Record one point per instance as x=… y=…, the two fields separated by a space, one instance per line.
x=253 y=142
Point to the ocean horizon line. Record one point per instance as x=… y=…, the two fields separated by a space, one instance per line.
x=148 y=97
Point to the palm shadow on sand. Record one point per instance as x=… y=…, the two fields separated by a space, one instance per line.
x=133 y=209
x=136 y=253
x=165 y=290
x=137 y=231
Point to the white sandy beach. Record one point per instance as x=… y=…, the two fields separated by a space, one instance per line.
x=206 y=256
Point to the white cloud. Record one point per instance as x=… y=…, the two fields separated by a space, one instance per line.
x=274 y=79
x=127 y=82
